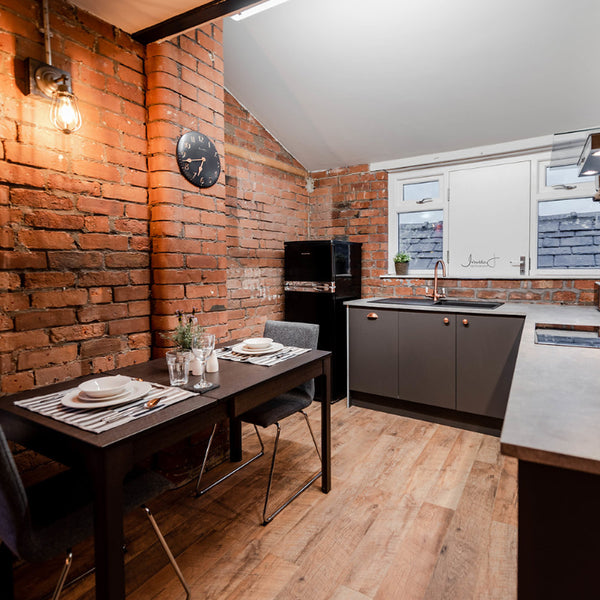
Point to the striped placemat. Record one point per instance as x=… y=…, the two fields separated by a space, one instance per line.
x=265 y=360
x=98 y=420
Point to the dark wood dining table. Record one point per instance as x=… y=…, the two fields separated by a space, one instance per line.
x=110 y=455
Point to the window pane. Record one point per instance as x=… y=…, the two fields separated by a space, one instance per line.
x=420 y=234
x=567 y=175
x=412 y=192
x=569 y=234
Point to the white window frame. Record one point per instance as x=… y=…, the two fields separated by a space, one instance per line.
x=397 y=205
x=543 y=193
x=540 y=192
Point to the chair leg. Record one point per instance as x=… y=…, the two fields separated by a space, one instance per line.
x=199 y=491
x=268 y=518
x=168 y=552
x=6 y=572
x=63 y=576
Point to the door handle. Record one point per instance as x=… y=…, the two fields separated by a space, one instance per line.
x=446 y=321
x=521 y=264
x=465 y=322
x=373 y=316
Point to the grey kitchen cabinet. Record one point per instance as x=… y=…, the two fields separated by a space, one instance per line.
x=456 y=361
x=486 y=350
x=427 y=357
x=373 y=351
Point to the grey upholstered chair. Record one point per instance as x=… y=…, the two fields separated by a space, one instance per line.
x=301 y=335
x=44 y=520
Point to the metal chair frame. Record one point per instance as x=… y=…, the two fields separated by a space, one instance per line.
x=69 y=560
x=267 y=518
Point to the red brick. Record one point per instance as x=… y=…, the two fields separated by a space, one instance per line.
x=93 y=241
x=11 y=341
x=49 y=280
x=39 y=199
x=22 y=260
x=88 y=314
x=46 y=357
x=17 y=382
x=51 y=220
x=126 y=326
x=77 y=332
x=101 y=347
x=45 y=318
x=100 y=206
x=59 y=373
x=59 y=298
x=564 y=297
x=14 y=301
x=75 y=260
x=102 y=278
x=52 y=240
x=100 y=295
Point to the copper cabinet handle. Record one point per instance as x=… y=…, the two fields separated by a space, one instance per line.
x=446 y=321
x=372 y=316
x=466 y=322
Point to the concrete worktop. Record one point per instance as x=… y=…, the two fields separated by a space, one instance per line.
x=553 y=413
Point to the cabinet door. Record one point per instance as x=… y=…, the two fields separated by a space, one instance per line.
x=426 y=358
x=487 y=349
x=373 y=351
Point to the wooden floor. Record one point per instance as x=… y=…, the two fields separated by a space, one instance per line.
x=417 y=510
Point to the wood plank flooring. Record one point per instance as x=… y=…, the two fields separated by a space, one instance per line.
x=417 y=511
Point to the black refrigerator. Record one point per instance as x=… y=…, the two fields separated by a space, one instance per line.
x=319 y=276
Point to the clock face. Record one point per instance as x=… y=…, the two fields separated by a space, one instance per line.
x=198 y=159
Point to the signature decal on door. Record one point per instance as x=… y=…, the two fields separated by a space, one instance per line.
x=477 y=262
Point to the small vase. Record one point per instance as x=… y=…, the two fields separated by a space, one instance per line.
x=401 y=268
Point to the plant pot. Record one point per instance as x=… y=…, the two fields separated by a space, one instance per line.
x=401 y=268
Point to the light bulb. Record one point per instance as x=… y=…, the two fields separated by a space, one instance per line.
x=64 y=113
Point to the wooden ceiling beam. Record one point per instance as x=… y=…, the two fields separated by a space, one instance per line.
x=190 y=19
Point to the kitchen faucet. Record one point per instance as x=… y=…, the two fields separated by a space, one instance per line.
x=437 y=295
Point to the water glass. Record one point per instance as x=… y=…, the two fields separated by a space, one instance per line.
x=202 y=347
x=179 y=366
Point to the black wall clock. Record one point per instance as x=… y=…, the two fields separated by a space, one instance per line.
x=198 y=159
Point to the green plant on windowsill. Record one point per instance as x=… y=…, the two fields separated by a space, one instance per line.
x=187 y=327
x=401 y=260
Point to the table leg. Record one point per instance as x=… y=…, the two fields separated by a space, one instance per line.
x=108 y=476
x=6 y=573
x=235 y=440
x=326 y=427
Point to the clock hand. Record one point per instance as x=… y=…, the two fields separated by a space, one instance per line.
x=188 y=160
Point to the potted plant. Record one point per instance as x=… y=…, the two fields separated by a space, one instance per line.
x=401 y=261
x=187 y=327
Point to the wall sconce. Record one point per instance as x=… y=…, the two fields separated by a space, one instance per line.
x=48 y=80
x=589 y=161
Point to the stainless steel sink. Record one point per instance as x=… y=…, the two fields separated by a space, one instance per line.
x=468 y=303
x=417 y=301
x=451 y=302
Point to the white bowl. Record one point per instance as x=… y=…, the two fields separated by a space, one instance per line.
x=105 y=386
x=257 y=343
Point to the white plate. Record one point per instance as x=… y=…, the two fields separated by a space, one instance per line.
x=241 y=349
x=87 y=398
x=137 y=390
x=103 y=387
x=257 y=343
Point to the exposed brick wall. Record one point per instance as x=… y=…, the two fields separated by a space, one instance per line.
x=265 y=206
x=74 y=247
x=351 y=203
x=189 y=253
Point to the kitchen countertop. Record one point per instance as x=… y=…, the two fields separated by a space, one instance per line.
x=553 y=413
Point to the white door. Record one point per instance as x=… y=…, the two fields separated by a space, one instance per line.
x=488 y=217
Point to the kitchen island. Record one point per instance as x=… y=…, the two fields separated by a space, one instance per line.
x=552 y=426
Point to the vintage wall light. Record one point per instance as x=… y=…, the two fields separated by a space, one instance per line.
x=589 y=161
x=47 y=80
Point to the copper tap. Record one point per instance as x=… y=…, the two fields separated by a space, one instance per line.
x=436 y=294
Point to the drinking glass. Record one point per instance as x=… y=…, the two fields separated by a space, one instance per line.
x=202 y=346
x=179 y=366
